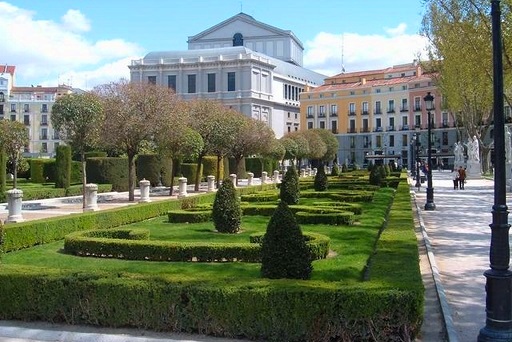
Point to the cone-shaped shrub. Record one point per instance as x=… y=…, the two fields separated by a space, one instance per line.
x=335 y=171
x=227 y=213
x=320 y=179
x=63 y=167
x=377 y=175
x=289 y=190
x=284 y=253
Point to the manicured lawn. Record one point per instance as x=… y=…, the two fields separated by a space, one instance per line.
x=351 y=248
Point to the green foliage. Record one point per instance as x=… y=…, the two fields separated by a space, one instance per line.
x=63 y=167
x=210 y=166
x=321 y=181
x=284 y=253
x=148 y=167
x=109 y=170
x=344 y=168
x=3 y=175
x=377 y=175
x=289 y=189
x=188 y=170
x=227 y=214
x=240 y=170
x=387 y=170
x=37 y=170
x=370 y=166
x=190 y=216
x=335 y=171
x=94 y=154
x=76 y=172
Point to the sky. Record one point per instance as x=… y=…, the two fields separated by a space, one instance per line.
x=84 y=43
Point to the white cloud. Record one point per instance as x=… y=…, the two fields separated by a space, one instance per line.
x=42 y=50
x=362 y=52
x=75 y=21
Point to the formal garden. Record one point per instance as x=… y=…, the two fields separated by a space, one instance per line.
x=339 y=261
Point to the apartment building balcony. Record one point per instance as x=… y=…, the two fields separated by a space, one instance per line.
x=377 y=112
x=334 y=114
x=364 y=112
x=378 y=129
x=351 y=113
x=310 y=116
x=405 y=128
x=56 y=137
x=368 y=145
x=390 y=110
x=404 y=109
x=43 y=137
x=334 y=130
x=364 y=130
x=26 y=122
x=351 y=130
x=417 y=108
x=44 y=123
x=321 y=115
x=390 y=128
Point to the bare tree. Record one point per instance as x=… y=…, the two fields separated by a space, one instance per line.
x=133 y=112
x=78 y=119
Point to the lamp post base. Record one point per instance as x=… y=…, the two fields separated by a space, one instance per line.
x=430 y=205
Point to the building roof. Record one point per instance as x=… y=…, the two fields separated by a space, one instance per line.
x=250 y=20
x=370 y=83
x=9 y=69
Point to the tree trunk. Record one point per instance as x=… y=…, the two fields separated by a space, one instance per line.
x=198 y=172
x=237 y=164
x=219 y=160
x=131 y=176
x=174 y=169
x=84 y=177
x=15 y=174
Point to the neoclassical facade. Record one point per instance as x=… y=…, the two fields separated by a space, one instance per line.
x=247 y=65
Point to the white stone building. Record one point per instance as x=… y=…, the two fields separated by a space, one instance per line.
x=249 y=66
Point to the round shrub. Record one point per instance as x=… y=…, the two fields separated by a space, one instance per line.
x=320 y=183
x=284 y=253
x=289 y=190
x=335 y=171
x=226 y=213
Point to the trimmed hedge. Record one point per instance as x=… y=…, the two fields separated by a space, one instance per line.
x=3 y=172
x=210 y=167
x=188 y=170
x=318 y=244
x=108 y=170
x=63 y=167
x=148 y=167
x=37 y=170
x=190 y=216
x=47 y=192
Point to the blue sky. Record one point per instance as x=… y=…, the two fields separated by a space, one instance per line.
x=90 y=42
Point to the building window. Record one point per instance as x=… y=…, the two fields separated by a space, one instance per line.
x=377 y=90
x=26 y=120
x=13 y=117
x=310 y=111
x=152 y=79
x=171 y=82
x=378 y=141
x=378 y=109
x=26 y=108
x=322 y=124
x=231 y=81
x=2 y=97
x=445 y=138
x=404 y=107
x=191 y=84
x=378 y=124
x=365 y=108
x=405 y=140
x=352 y=109
x=417 y=121
x=1 y=109
x=310 y=125
x=238 y=39
x=321 y=111
x=295 y=116
x=13 y=107
x=334 y=127
x=44 y=134
x=334 y=109
x=391 y=106
x=391 y=141
x=417 y=104
x=289 y=129
x=44 y=108
x=391 y=124
x=445 y=119
x=44 y=120
x=44 y=147
x=211 y=83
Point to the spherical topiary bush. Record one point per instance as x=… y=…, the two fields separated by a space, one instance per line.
x=284 y=253
x=320 y=183
x=377 y=175
x=289 y=189
x=227 y=213
x=335 y=171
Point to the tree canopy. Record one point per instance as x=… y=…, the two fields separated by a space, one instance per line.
x=13 y=139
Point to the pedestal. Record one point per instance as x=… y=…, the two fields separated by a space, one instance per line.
x=303 y=172
x=264 y=177
x=144 y=191
x=14 y=199
x=233 y=179
x=182 y=187
x=91 y=197
x=473 y=170
x=250 y=177
x=211 y=183
x=276 y=176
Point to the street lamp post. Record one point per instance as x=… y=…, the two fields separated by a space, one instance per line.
x=498 y=308
x=429 y=105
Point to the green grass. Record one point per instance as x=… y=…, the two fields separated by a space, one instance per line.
x=351 y=248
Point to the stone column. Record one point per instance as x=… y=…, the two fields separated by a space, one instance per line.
x=233 y=179
x=14 y=198
x=91 y=197
x=263 y=177
x=182 y=187
x=303 y=172
x=276 y=176
x=211 y=183
x=144 y=191
x=250 y=177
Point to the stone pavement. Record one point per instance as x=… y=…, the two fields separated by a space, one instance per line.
x=457 y=242
x=454 y=245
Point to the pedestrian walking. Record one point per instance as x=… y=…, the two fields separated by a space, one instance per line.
x=455 y=179
x=462 y=177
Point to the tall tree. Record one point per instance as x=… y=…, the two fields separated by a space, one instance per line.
x=317 y=147
x=78 y=119
x=133 y=112
x=460 y=54
x=302 y=145
x=13 y=139
x=291 y=149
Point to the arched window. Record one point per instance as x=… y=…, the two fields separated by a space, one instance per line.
x=2 y=97
x=238 y=39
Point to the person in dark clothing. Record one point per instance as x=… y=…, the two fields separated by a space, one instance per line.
x=462 y=178
x=455 y=179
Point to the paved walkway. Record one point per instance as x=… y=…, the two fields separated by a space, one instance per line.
x=457 y=237
x=454 y=253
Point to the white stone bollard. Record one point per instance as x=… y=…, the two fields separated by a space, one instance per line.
x=303 y=172
x=233 y=179
x=250 y=177
x=91 y=197
x=182 y=187
x=314 y=171
x=211 y=183
x=309 y=171
x=276 y=176
x=14 y=198
x=327 y=170
x=144 y=191
x=263 y=177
